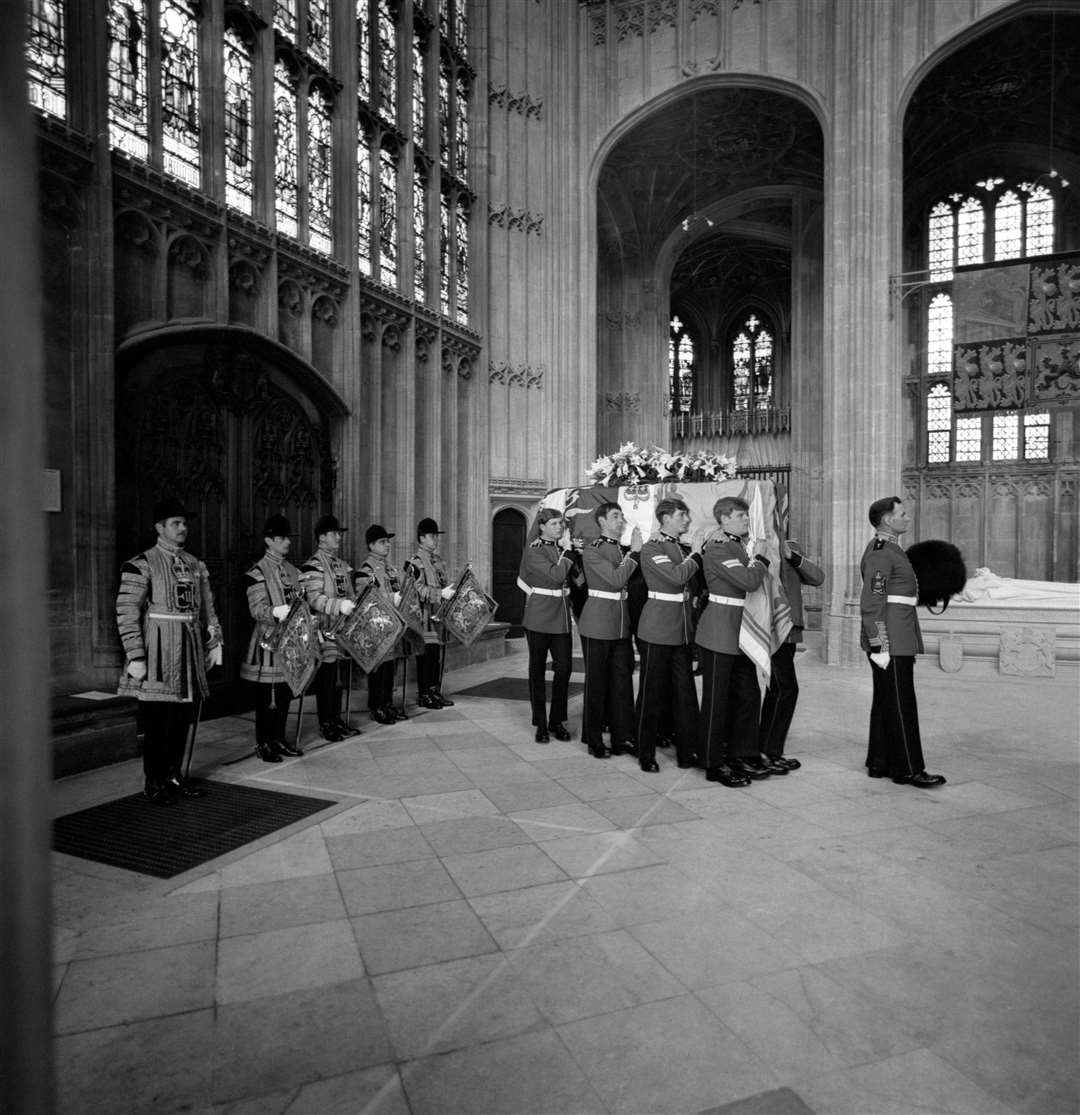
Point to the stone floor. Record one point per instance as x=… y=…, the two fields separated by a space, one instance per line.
x=485 y=924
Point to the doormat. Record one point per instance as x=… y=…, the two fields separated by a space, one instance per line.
x=164 y=841
x=508 y=689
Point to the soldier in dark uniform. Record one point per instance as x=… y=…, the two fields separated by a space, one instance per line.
x=605 y=635
x=778 y=707
x=665 y=632
x=891 y=638
x=163 y=608
x=376 y=569
x=545 y=577
x=730 y=695
x=432 y=586
x=272 y=585
x=327 y=582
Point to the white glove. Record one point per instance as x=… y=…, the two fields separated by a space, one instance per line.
x=137 y=669
x=397 y=599
x=880 y=659
x=347 y=607
x=448 y=592
x=213 y=656
x=280 y=611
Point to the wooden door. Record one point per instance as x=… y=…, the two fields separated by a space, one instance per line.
x=507 y=543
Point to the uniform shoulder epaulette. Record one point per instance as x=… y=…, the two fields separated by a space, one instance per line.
x=310 y=567
x=879 y=543
x=255 y=574
x=131 y=567
x=536 y=542
x=597 y=542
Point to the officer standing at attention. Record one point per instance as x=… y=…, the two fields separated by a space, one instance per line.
x=665 y=632
x=604 y=627
x=891 y=638
x=328 y=584
x=545 y=577
x=432 y=586
x=376 y=569
x=783 y=693
x=272 y=585
x=162 y=609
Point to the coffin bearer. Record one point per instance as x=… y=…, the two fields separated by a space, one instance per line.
x=376 y=570
x=327 y=582
x=171 y=636
x=891 y=638
x=432 y=586
x=545 y=577
x=272 y=585
x=730 y=694
x=605 y=635
x=783 y=693
x=665 y=634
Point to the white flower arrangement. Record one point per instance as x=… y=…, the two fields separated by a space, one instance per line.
x=634 y=465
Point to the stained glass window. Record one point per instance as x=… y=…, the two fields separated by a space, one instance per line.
x=461 y=260
x=46 y=64
x=129 y=106
x=363 y=200
x=387 y=61
x=363 y=49
x=1036 y=437
x=1040 y=221
x=740 y=371
x=286 y=150
x=239 y=110
x=418 y=101
x=970 y=222
x=180 y=91
x=461 y=29
x=320 y=170
x=318 y=31
x=444 y=254
x=938 y=423
x=680 y=368
x=939 y=336
x=1006 y=437
x=420 y=235
x=461 y=128
x=1007 y=231
x=752 y=363
x=388 y=222
x=969 y=439
x=444 y=115
x=285 y=18
x=942 y=235
x=444 y=18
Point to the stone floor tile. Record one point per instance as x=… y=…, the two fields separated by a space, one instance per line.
x=559 y=821
x=394 y=886
x=544 y=913
x=522 y=1075
x=473 y=834
x=420 y=935
x=369 y=849
x=260 y=907
x=374 y=1091
x=598 y=853
x=444 y=807
x=500 y=869
x=109 y=990
x=301 y=854
x=594 y=786
x=649 y=894
x=368 y=816
x=647 y=809
x=172 y=920
x=525 y=796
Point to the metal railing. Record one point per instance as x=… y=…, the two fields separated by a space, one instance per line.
x=726 y=423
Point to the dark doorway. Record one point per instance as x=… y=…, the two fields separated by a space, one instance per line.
x=507 y=542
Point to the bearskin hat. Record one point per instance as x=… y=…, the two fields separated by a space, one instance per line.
x=939 y=567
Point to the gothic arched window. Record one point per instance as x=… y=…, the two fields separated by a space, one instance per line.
x=285 y=18
x=461 y=127
x=419 y=104
x=239 y=114
x=364 y=222
x=444 y=253
x=180 y=91
x=939 y=336
x=318 y=31
x=444 y=114
x=46 y=63
x=386 y=68
x=681 y=368
x=461 y=260
x=752 y=366
x=388 y=219
x=419 y=233
x=363 y=49
x=129 y=99
x=320 y=170
x=286 y=150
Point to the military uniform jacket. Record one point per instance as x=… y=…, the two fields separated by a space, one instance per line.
x=544 y=575
x=270 y=582
x=429 y=571
x=607 y=571
x=795 y=572
x=162 y=609
x=375 y=570
x=327 y=581
x=668 y=615
x=887 y=603
x=729 y=573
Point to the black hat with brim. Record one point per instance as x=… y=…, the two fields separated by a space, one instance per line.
x=375 y=532
x=277 y=526
x=328 y=523
x=427 y=526
x=171 y=508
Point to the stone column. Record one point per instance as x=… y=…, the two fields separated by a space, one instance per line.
x=862 y=381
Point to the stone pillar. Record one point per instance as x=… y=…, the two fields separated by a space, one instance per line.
x=25 y=985
x=862 y=382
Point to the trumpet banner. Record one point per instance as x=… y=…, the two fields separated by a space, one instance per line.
x=469 y=611
x=295 y=645
x=368 y=635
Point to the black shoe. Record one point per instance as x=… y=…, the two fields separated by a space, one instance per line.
x=726 y=776
x=599 y=751
x=559 y=732
x=160 y=793
x=649 y=766
x=382 y=716
x=774 y=766
x=624 y=747
x=750 y=768
x=398 y=711
x=346 y=730
x=328 y=730
x=876 y=772
x=185 y=787
x=428 y=700
x=685 y=762
x=791 y=764
x=920 y=779
x=542 y=735
x=269 y=753
x=445 y=701
x=286 y=748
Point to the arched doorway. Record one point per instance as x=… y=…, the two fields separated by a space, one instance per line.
x=507 y=542
x=238 y=429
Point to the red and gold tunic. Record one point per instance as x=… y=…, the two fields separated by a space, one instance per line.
x=327 y=581
x=270 y=582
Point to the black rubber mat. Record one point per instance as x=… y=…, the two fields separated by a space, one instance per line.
x=164 y=841
x=508 y=689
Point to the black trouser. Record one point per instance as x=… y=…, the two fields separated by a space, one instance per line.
x=270 y=723
x=165 y=726
x=380 y=686
x=666 y=691
x=895 y=745
x=429 y=668
x=541 y=643
x=780 y=699
x=730 y=697
x=327 y=693
x=609 y=689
